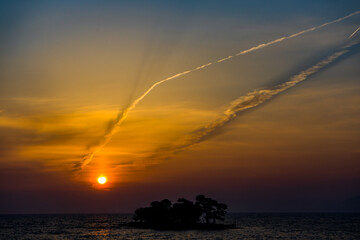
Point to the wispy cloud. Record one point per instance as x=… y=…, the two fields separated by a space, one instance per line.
x=113 y=128
x=32 y=100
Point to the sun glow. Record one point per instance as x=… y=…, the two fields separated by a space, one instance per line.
x=102 y=180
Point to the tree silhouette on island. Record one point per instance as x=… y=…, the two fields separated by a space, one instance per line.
x=184 y=214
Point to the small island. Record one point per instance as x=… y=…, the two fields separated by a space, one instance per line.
x=204 y=214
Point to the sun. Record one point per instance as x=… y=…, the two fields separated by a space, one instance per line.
x=102 y=180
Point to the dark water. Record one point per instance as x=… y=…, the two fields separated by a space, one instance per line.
x=249 y=226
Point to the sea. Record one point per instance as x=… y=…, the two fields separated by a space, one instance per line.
x=248 y=226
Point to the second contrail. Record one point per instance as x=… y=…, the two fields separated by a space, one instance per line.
x=239 y=105
x=123 y=114
x=354 y=33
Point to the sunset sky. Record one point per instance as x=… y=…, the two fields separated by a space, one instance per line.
x=69 y=67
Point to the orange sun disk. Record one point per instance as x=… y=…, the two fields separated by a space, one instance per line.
x=102 y=180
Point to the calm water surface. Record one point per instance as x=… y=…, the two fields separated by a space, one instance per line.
x=249 y=226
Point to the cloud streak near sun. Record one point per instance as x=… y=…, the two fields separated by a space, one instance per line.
x=251 y=100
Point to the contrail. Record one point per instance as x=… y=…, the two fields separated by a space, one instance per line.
x=251 y=100
x=354 y=33
x=123 y=114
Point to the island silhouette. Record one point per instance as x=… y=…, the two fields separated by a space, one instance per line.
x=205 y=213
